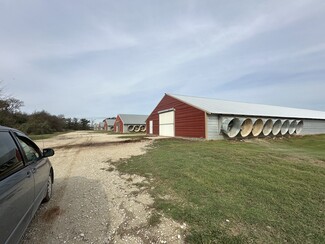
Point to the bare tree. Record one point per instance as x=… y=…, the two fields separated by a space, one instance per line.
x=8 y=103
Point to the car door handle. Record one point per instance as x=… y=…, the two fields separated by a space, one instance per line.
x=34 y=170
x=29 y=174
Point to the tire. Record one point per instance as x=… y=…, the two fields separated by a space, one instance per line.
x=49 y=187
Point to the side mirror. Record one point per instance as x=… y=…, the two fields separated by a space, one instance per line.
x=48 y=152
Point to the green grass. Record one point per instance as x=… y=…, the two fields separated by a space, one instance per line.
x=45 y=136
x=258 y=191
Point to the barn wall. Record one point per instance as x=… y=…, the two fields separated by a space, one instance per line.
x=195 y=123
x=189 y=121
x=313 y=127
x=310 y=126
x=125 y=129
x=118 y=122
x=213 y=130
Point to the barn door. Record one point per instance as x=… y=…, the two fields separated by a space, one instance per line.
x=150 y=127
x=167 y=123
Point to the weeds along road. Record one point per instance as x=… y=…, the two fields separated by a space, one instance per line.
x=92 y=202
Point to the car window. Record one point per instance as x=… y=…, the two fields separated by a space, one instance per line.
x=31 y=150
x=10 y=157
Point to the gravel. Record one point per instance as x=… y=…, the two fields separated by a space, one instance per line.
x=94 y=203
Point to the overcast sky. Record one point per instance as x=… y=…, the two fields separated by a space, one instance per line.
x=101 y=58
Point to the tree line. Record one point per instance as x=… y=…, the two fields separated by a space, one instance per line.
x=37 y=123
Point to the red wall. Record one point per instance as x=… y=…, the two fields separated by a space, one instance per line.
x=189 y=121
x=121 y=125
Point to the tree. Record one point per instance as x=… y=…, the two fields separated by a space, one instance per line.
x=40 y=122
x=11 y=105
x=75 y=124
x=8 y=103
x=44 y=123
x=84 y=124
x=10 y=114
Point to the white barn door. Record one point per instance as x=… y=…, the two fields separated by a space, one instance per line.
x=167 y=123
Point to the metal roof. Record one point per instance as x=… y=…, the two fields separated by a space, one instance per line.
x=215 y=106
x=110 y=121
x=133 y=119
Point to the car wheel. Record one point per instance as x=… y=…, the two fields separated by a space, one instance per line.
x=48 y=190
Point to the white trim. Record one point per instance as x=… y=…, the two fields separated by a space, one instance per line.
x=166 y=110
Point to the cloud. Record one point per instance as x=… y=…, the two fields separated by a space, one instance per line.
x=106 y=57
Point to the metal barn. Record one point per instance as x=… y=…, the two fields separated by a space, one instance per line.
x=126 y=123
x=109 y=124
x=195 y=117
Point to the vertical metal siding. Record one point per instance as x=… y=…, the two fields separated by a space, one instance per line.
x=118 y=122
x=313 y=127
x=213 y=127
x=189 y=121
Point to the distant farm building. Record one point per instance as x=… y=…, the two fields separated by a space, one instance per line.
x=195 y=117
x=98 y=126
x=109 y=124
x=126 y=123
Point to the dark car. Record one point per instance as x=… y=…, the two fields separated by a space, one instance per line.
x=26 y=178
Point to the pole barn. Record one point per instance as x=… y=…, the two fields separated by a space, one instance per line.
x=126 y=123
x=195 y=117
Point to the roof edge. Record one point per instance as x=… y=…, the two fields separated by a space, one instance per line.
x=192 y=105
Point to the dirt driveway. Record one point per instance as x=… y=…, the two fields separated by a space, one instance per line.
x=92 y=202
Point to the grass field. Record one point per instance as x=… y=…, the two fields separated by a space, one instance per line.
x=256 y=191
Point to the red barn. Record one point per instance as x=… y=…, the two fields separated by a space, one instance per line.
x=173 y=117
x=126 y=123
x=195 y=117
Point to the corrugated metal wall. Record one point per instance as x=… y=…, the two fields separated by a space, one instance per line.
x=213 y=130
x=310 y=126
x=189 y=121
x=313 y=127
x=118 y=125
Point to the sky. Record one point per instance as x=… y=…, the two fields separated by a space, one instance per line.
x=101 y=58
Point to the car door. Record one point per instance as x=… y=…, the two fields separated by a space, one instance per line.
x=16 y=190
x=39 y=166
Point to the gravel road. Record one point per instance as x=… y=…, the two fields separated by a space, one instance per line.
x=94 y=203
